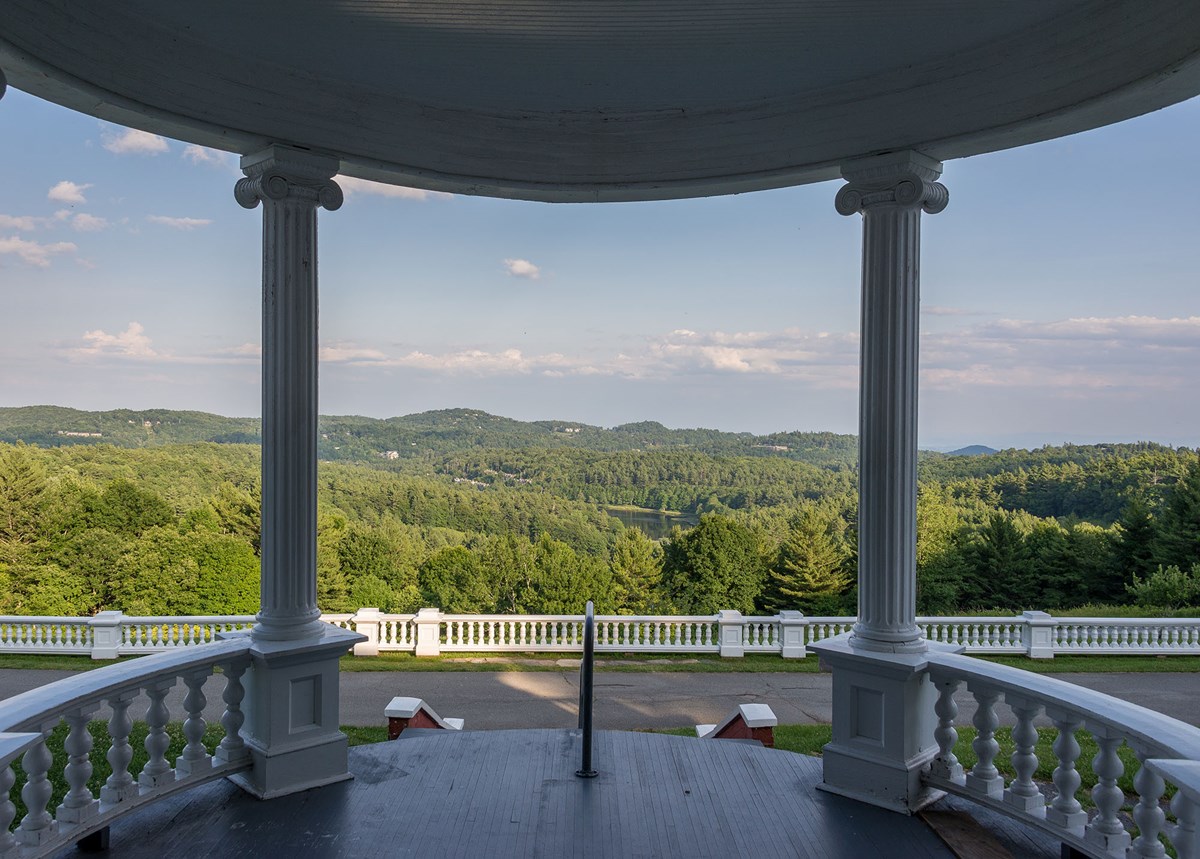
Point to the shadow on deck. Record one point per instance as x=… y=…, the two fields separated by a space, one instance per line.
x=514 y=793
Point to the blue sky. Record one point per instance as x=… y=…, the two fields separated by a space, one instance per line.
x=1060 y=297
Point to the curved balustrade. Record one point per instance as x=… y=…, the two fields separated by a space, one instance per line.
x=1070 y=708
x=27 y=721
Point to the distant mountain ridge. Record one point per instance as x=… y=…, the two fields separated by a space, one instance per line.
x=449 y=431
x=352 y=437
x=973 y=450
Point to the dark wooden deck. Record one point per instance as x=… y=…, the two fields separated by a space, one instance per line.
x=514 y=793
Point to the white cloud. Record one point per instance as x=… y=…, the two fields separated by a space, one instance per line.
x=22 y=222
x=179 y=223
x=131 y=141
x=522 y=268
x=130 y=343
x=212 y=157
x=351 y=185
x=34 y=253
x=85 y=223
x=346 y=354
x=68 y=192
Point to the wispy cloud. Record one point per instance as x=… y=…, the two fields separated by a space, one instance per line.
x=34 y=253
x=131 y=141
x=25 y=223
x=522 y=268
x=351 y=185
x=179 y=223
x=68 y=192
x=1073 y=356
x=943 y=310
x=210 y=157
x=85 y=223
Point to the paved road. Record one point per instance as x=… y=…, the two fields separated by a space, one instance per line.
x=490 y=700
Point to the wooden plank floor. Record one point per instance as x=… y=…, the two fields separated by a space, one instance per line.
x=514 y=793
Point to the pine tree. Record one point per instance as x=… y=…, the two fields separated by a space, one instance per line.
x=1178 y=540
x=809 y=572
x=636 y=563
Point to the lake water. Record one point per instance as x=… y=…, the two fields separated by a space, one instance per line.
x=653 y=523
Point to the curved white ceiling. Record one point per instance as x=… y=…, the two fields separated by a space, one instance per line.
x=605 y=99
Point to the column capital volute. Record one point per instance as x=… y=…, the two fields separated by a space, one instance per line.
x=3 y=83
x=905 y=180
x=285 y=173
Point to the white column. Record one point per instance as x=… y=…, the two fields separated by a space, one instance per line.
x=291 y=184
x=884 y=715
x=890 y=191
x=291 y=686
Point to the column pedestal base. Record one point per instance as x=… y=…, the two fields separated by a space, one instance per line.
x=292 y=727
x=883 y=721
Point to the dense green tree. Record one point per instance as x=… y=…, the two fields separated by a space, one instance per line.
x=1178 y=540
x=1133 y=542
x=1168 y=587
x=716 y=565
x=452 y=579
x=23 y=496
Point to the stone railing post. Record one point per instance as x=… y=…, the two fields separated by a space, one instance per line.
x=429 y=632
x=794 y=628
x=106 y=634
x=366 y=622
x=1037 y=636
x=730 y=637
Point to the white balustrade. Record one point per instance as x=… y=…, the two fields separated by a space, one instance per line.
x=1036 y=634
x=27 y=722
x=1171 y=747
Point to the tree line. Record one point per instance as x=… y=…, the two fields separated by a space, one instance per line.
x=174 y=530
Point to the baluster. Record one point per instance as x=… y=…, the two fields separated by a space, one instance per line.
x=1183 y=833
x=984 y=778
x=119 y=786
x=1065 y=810
x=78 y=805
x=37 y=826
x=1106 y=830
x=157 y=771
x=195 y=758
x=1022 y=793
x=1148 y=814
x=8 y=841
x=946 y=765
x=233 y=747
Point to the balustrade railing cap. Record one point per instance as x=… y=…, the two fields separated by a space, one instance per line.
x=61 y=695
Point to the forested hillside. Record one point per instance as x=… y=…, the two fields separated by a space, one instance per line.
x=499 y=515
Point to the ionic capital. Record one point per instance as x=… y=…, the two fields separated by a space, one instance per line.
x=904 y=180
x=281 y=173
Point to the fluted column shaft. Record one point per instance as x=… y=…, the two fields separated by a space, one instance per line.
x=890 y=192
x=291 y=184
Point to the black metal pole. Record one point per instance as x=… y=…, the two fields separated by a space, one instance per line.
x=585 y=692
